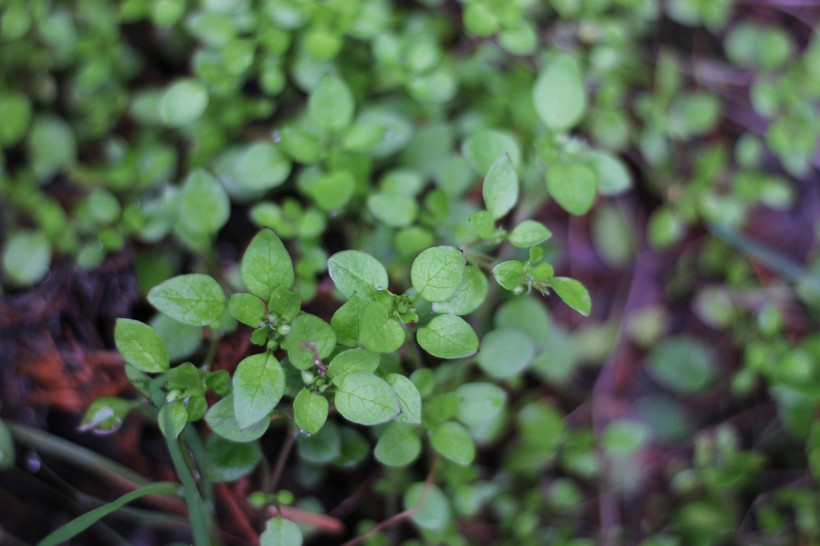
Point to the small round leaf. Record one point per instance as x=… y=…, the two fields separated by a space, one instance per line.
x=193 y=299
x=140 y=346
x=366 y=399
x=448 y=336
x=436 y=273
x=183 y=103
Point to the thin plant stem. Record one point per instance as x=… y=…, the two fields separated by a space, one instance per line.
x=279 y=467
x=401 y=516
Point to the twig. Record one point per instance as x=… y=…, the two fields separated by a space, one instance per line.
x=351 y=501
x=249 y=534
x=608 y=390
x=327 y=524
x=401 y=516
x=279 y=467
x=317 y=361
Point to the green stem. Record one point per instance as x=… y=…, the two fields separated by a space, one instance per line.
x=197 y=513
x=70 y=452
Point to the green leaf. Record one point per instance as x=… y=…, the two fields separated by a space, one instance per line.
x=354 y=449
x=541 y=426
x=558 y=94
x=51 y=146
x=193 y=299
x=15 y=111
x=521 y=39
x=204 y=205
x=505 y=353
x=573 y=293
x=285 y=303
x=309 y=337
x=332 y=191
x=214 y=28
x=360 y=137
x=227 y=461
x=365 y=399
x=105 y=415
x=479 y=403
x=183 y=103
x=613 y=175
x=573 y=185
x=409 y=398
x=247 y=309
x=468 y=296
x=352 y=360
x=266 y=265
x=6 y=447
x=500 y=188
x=613 y=236
x=529 y=233
x=448 y=336
x=260 y=167
x=172 y=418
x=258 y=385
x=310 y=410
x=356 y=272
x=140 y=346
x=665 y=228
x=453 y=442
x=26 y=257
x=479 y=19
x=331 y=105
x=434 y=513
x=181 y=340
x=393 y=209
x=301 y=145
x=394 y=123
x=323 y=447
x=683 y=364
x=222 y=420
x=624 y=437
x=80 y=524
x=436 y=273
x=693 y=114
x=346 y=320
x=527 y=314
x=483 y=148
x=378 y=331
x=399 y=445
x=281 y=532
x=403 y=181
x=483 y=224
x=103 y=206
x=185 y=378
x=218 y=381
x=139 y=380
x=413 y=240
x=510 y=274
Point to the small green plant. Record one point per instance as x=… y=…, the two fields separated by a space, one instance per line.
x=360 y=363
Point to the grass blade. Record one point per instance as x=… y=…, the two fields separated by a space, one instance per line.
x=65 y=450
x=80 y=524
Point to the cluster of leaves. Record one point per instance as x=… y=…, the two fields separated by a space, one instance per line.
x=395 y=160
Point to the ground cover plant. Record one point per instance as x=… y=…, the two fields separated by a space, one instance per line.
x=434 y=272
